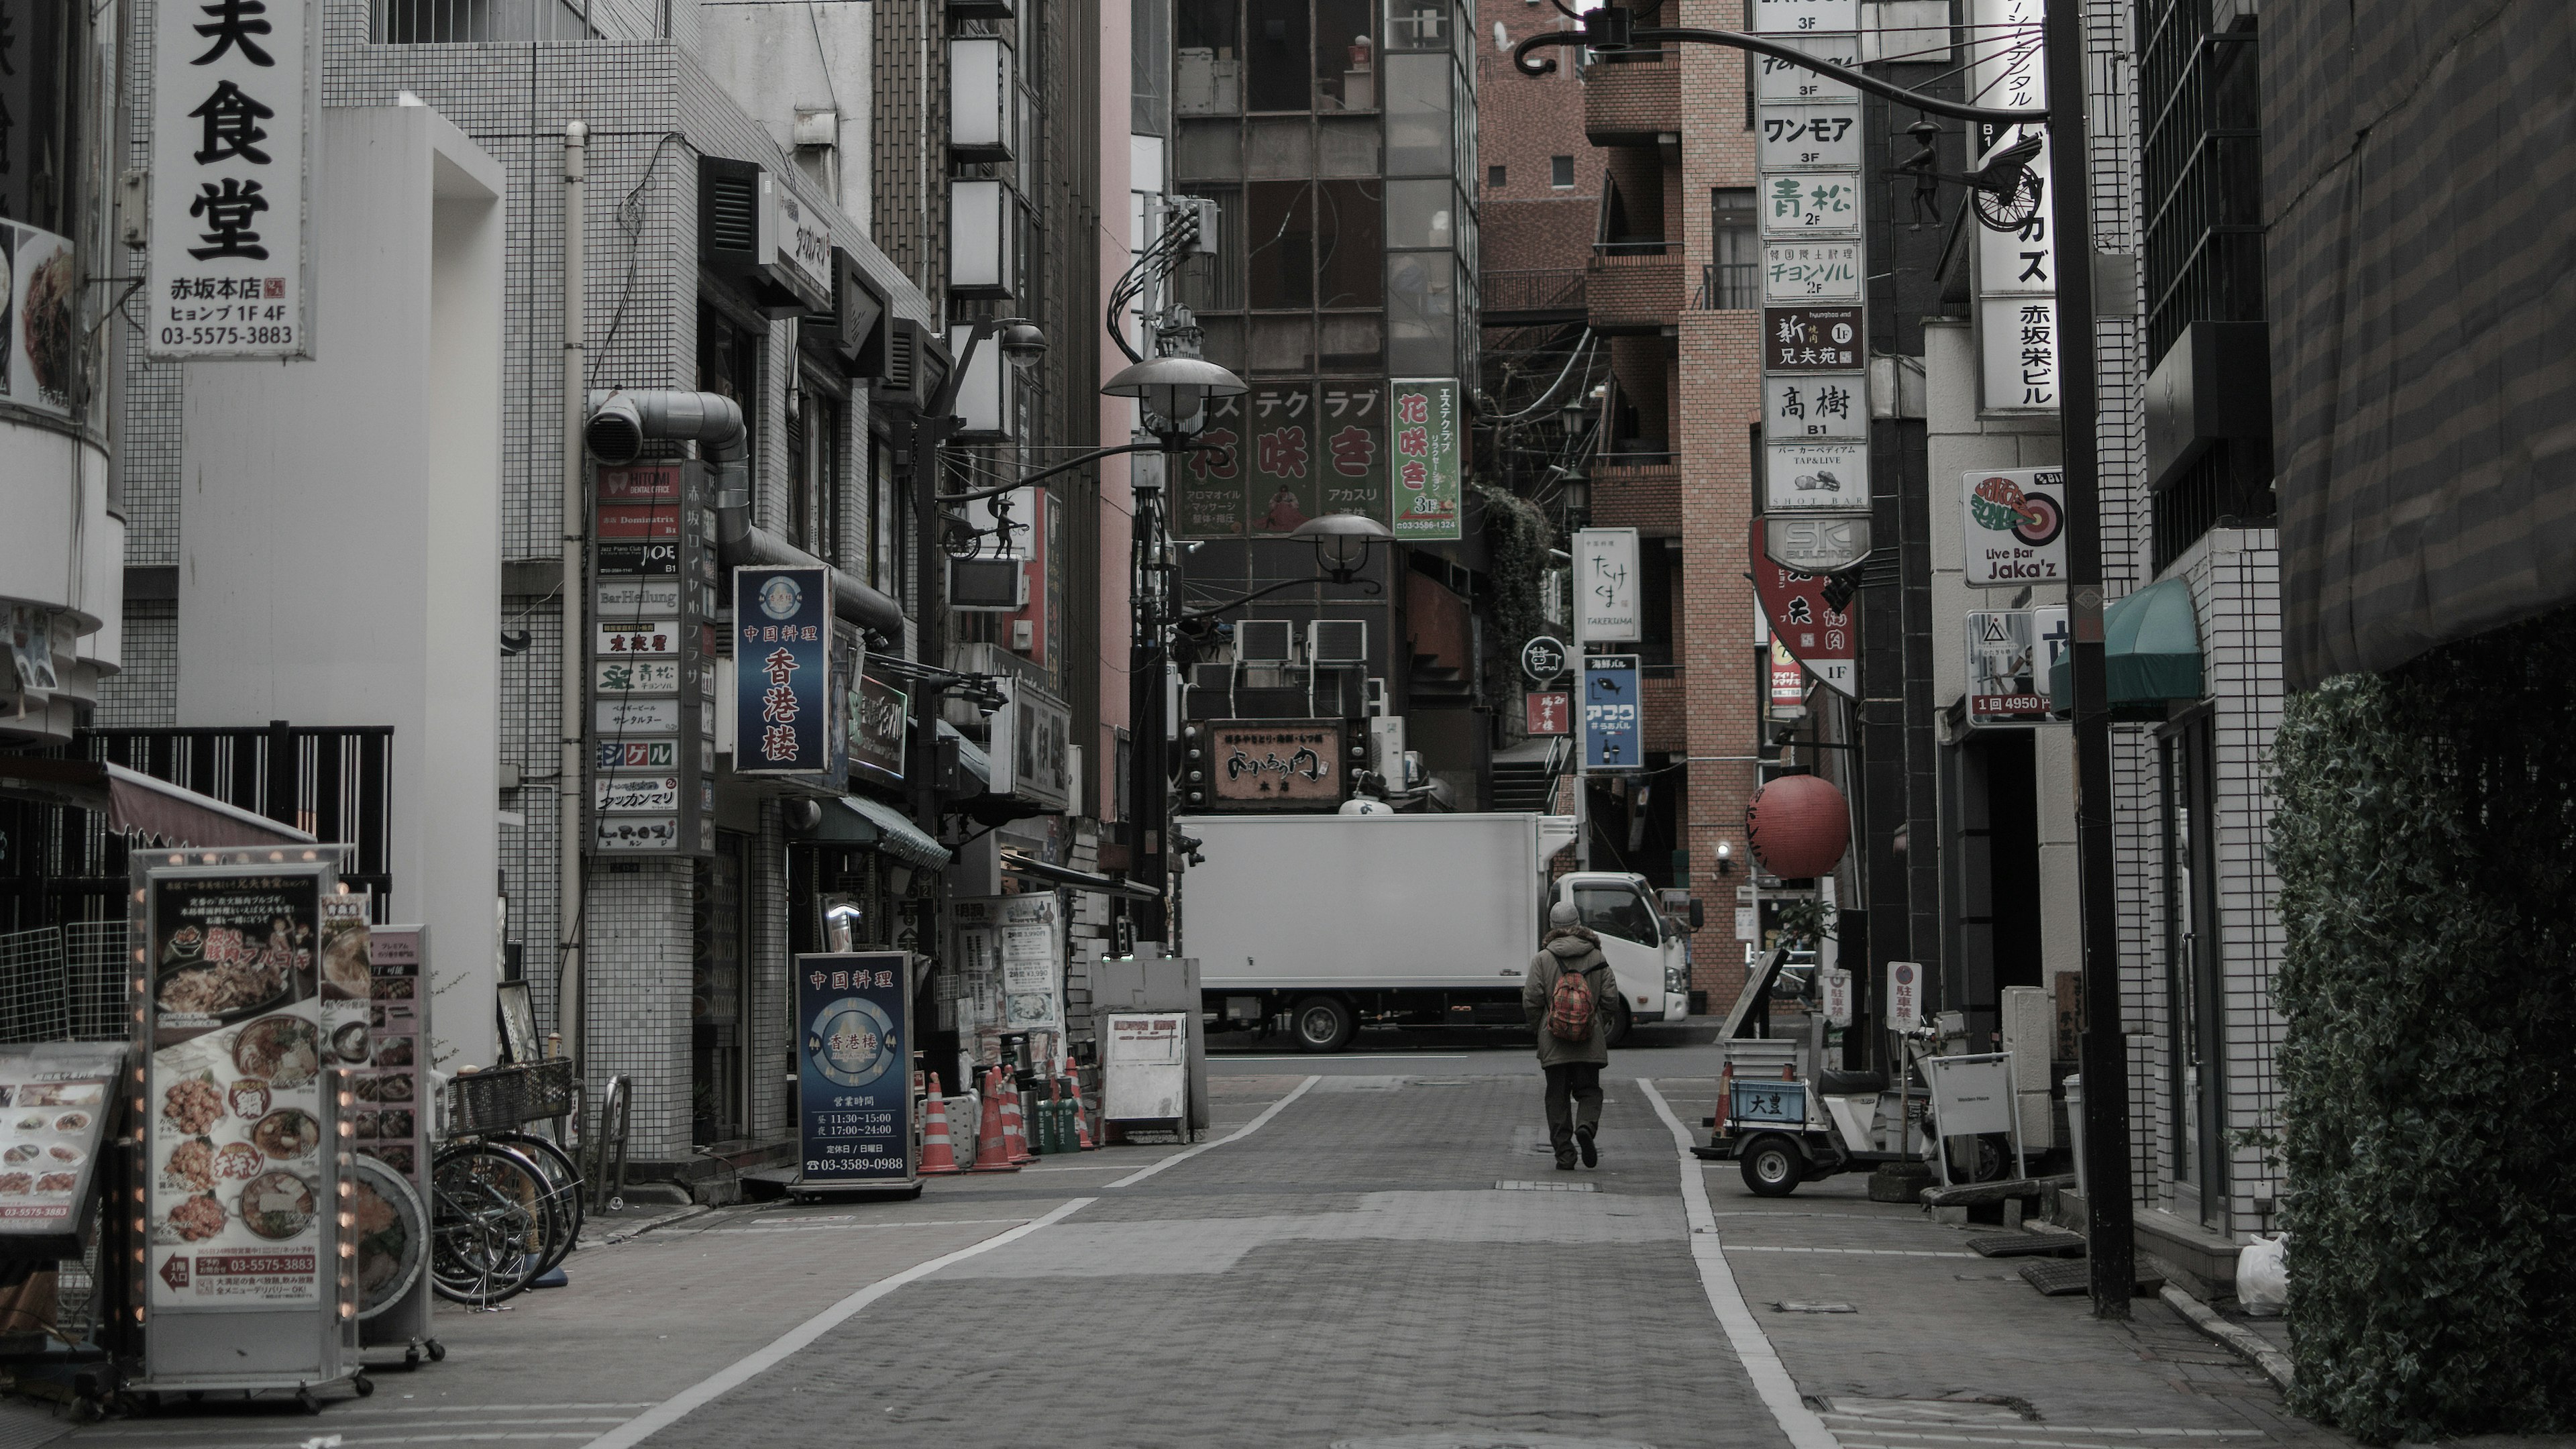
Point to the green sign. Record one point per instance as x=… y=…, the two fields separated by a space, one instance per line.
x=1423 y=416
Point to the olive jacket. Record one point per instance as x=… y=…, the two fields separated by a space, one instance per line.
x=1573 y=948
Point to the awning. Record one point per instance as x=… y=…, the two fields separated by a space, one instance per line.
x=1021 y=863
x=138 y=805
x=2150 y=648
x=858 y=820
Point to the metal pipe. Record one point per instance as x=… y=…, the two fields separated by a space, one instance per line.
x=571 y=778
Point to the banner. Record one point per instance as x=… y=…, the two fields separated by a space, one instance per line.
x=1424 y=414
x=1823 y=638
x=854 y=1069
x=229 y=265
x=782 y=670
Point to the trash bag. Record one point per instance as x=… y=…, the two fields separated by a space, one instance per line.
x=2262 y=1276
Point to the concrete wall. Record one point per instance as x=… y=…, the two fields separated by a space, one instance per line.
x=340 y=548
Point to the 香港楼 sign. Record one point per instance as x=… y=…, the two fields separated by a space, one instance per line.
x=1614 y=733
x=782 y=638
x=229 y=264
x=854 y=1069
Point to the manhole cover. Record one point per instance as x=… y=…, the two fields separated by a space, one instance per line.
x=2060 y=1278
x=2026 y=1245
x=1543 y=1187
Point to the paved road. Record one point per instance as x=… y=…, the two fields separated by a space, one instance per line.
x=1385 y=1262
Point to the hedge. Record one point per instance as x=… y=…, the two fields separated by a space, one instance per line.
x=2426 y=845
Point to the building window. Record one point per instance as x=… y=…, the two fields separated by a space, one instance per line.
x=1735 y=257
x=1560 y=172
x=1494 y=178
x=814 y=427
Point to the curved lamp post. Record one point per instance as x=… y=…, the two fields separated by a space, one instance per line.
x=2109 y=1218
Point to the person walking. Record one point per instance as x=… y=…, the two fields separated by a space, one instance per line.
x=1562 y=995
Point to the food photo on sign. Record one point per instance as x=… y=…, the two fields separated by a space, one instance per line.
x=2016 y=527
x=235 y=1103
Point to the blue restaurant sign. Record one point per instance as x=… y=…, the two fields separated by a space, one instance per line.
x=854 y=1069
x=782 y=652
x=1613 y=730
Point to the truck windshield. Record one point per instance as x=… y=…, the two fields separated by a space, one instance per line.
x=1611 y=911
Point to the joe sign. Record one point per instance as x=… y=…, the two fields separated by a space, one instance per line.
x=854 y=1069
x=782 y=634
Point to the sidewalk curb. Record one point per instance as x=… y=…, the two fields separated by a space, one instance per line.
x=2274 y=1363
x=682 y=1216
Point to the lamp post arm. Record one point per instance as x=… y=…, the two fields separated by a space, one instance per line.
x=1070 y=464
x=945 y=403
x=1366 y=586
x=1531 y=64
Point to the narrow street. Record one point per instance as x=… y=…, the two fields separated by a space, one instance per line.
x=1381 y=1255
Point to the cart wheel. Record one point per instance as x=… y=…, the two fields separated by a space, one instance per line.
x=437 y=1351
x=365 y=1386
x=1772 y=1167
x=411 y=1357
x=310 y=1404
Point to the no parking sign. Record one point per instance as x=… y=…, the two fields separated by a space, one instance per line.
x=1904 y=995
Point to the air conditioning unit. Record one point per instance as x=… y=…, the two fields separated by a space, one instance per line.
x=1265 y=641
x=988 y=585
x=1211 y=676
x=754 y=232
x=1337 y=641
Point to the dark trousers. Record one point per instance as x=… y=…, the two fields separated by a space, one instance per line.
x=1580 y=1081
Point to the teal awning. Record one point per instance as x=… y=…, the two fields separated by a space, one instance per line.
x=858 y=820
x=2150 y=649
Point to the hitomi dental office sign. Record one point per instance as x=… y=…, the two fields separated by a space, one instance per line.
x=229 y=265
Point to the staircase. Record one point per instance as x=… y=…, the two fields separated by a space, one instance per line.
x=1439 y=686
x=1525 y=775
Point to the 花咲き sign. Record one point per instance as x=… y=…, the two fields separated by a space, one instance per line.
x=1423 y=418
x=782 y=635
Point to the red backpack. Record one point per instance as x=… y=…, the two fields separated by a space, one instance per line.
x=1569 y=1005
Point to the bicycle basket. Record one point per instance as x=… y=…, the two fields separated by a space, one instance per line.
x=500 y=1098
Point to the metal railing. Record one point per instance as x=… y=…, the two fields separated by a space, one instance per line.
x=460 y=22
x=1728 y=287
x=1533 y=289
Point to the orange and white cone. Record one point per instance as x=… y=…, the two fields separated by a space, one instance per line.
x=992 y=1139
x=1015 y=1133
x=1081 y=1127
x=938 y=1154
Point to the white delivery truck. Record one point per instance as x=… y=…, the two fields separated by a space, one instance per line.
x=1326 y=922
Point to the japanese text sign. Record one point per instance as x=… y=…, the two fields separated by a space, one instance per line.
x=1284 y=465
x=782 y=635
x=228 y=267
x=1424 y=459
x=1282 y=764
x=854 y=1067
x=1208 y=482
x=2009 y=654
x=1606 y=610
x=1546 y=712
x=2016 y=526
x=1810 y=271
x=1350 y=447
x=1613 y=726
x=1823 y=638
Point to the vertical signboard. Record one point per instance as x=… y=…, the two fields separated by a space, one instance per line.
x=1606 y=610
x=1285 y=491
x=2010 y=653
x=854 y=1069
x=243 y=1153
x=1208 y=481
x=1350 y=445
x=1613 y=727
x=1424 y=415
x=782 y=627
x=2015 y=270
x=228 y=268
x=2016 y=526
x=1821 y=637
x=1788 y=682
x=651 y=653
x=1546 y=712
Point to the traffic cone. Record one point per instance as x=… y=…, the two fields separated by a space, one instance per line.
x=992 y=1136
x=1014 y=1131
x=1081 y=1128
x=938 y=1154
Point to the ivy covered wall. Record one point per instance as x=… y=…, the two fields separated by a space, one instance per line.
x=2426 y=844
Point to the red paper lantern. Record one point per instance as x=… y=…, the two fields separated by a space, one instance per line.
x=1798 y=826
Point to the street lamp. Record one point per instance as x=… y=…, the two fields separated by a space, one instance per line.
x=1175 y=389
x=1342 y=542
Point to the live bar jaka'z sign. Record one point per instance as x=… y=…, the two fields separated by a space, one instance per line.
x=229 y=264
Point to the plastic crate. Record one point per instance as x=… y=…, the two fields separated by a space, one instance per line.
x=499 y=1098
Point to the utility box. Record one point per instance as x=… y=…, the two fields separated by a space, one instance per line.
x=1145 y=1069
x=1146 y=984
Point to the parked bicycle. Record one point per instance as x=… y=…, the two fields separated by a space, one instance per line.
x=506 y=1204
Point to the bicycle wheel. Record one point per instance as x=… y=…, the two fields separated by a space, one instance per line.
x=562 y=1177
x=533 y=1181
x=496 y=1218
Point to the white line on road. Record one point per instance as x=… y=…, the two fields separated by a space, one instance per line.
x=1859 y=1252
x=1914 y=1441
x=742 y=1371
x=1246 y=1130
x=1752 y=1346
x=845 y=1224
x=1879 y=1425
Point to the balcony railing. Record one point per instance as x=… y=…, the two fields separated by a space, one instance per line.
x=1728 y=286
x=1522 y=295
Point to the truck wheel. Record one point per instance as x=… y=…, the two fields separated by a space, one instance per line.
x=1616 y=1020
x=1323 y=1024
x=1772 y=1166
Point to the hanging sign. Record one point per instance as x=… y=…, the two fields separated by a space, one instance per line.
x=1423 y=412
x=2016 y=526
x=2010 y=652
x=228 y=268
x=1605 y=585
x=879 y=716
x=854 y=1069
x=1543 y=660
x=782 y=670
x=1904 y=996
x=1546 y=712
x=1823 y=638
x=1822 y=543
x=1613 y=726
